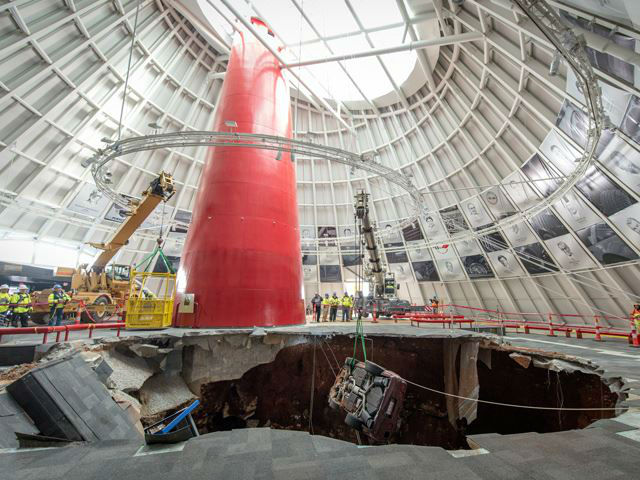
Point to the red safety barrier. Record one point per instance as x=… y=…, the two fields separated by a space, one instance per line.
x=45 y=331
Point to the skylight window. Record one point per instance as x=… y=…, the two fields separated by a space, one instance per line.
x=338 y=32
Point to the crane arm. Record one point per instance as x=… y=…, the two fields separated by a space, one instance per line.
x=362 y=213
x=161 y=189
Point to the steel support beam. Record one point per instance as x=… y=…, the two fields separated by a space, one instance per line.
x=417 y=45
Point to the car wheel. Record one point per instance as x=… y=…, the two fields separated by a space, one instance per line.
x=373 y=368
x=333 y=405
x=353 y=422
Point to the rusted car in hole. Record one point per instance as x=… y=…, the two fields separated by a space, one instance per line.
x=372 y=397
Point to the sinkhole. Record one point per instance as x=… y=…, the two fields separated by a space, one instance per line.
x=291 y=391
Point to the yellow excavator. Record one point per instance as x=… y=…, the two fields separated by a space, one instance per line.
x=101 y=286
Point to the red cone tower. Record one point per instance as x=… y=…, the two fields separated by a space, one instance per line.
x=242 y=259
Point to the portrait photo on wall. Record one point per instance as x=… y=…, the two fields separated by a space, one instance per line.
x=453 y=220
x=310 y=273
x=535 y=259
x=614 y=100
x=498 y=203
x=425 y=271
x=605 y=244
x=559 y=152
x=308 y=259
x=600 y=60
x=412 y=232
x=543 y=175
x=574 y=122
x=505 y=264
x=468 y=246
x=402 y=271
x=477 y=266
x=433 y=228
x=628 y=221
x=444 y=251
x=399 y=256
x=603 y=193
x=346 y=231
x=519 y=190
x=330 y=273
x=388 y=233
x=519 y=234
x=418 y=252
x=569 y=254
x=493 y=242
x=623 y=161
x=89 y=201
x=547 y=225
x=631 y=123
x=575 y=211
x=476 y=213
x=450 y=270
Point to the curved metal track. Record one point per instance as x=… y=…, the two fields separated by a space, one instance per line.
x=570 y=46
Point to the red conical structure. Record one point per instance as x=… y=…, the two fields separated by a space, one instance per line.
x=242 y=259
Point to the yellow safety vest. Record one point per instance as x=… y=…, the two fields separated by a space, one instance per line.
x=5 y=300
x=58 y=300
x=326 y=301
x=335 y=301
x=346 y=302
x=21 y=302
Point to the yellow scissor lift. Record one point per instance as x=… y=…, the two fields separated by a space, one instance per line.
x=145 y=309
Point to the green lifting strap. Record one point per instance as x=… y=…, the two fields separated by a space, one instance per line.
x=359 y=335
x=146 y=261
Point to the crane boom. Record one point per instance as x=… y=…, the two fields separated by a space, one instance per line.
x=376 y=268
x=161 y=189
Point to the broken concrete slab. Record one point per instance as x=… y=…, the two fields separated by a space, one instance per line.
x=164 y=392
x=129 y=373
x=144 y=350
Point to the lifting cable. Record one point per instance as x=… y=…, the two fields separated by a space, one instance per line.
x=359 y=322
x=126 y=79
x=512 y=405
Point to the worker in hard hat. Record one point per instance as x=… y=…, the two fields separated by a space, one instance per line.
x=334 y=302
x=57 y=300
x=21 y=304
x=316 y=307
x=326 y=305
x=5 y=304
x=635 y=315
x=347 y=303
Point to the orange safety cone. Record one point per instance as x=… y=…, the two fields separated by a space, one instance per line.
x=598 y=336
x=551 y=332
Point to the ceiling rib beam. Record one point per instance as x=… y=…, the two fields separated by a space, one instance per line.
x=417 y=45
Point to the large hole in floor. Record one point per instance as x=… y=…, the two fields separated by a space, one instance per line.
x=278 y=394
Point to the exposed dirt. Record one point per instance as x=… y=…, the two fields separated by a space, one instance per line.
x=278 y=394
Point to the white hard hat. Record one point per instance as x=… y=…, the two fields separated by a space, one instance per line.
x=22 y=287
x=4 y=286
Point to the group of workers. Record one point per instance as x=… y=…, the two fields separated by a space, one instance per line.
x=327 y=307
x=16 y=308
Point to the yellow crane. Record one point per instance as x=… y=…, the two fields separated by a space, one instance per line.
x=100 y=285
